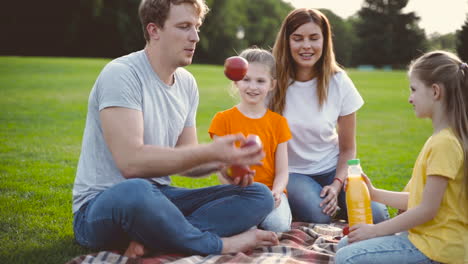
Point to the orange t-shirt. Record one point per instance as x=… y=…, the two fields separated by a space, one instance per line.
x=272 y=129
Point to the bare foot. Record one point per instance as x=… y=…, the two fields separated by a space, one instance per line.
x=134 y=250
x=248 y=240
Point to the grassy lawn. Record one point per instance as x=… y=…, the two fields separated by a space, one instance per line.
x=43 y=104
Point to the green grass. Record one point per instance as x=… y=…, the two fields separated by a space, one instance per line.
x=43 y=104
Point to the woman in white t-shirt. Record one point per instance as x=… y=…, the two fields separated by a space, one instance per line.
x=320 y=102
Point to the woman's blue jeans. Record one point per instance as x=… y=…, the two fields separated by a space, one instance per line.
x=394 y=249
x=170 y=219
x=304 y=199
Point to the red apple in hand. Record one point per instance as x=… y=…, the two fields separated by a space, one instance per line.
x=237 y=171
x=242 y=170
x=251 y=140
x=235 y=68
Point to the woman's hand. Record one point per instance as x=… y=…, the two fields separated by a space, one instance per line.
x=330 y=199
x=360 y=232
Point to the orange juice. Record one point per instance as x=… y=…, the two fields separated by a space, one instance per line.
x=357 y=196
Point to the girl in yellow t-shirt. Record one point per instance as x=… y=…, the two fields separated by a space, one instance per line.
x=251 y=116
x=434 y=227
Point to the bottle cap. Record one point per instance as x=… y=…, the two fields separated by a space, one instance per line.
x=353 y=162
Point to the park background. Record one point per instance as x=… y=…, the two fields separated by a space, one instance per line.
x=52 y=52
x=380 y=33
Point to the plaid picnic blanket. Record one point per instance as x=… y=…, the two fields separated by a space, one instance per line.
x=304 y=243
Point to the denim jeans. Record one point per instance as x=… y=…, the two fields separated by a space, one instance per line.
x=392 y=249
x=304 y=199
x=170 y=219
x=279 y=220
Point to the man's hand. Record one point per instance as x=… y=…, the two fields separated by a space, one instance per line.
x=226 y=151
x=244 y=181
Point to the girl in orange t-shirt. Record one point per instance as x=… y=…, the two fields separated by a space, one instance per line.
x=251 y=116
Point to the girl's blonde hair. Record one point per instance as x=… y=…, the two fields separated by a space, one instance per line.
x=448 y=71
x=264 y=57
x=255 y=54
x=325 y=67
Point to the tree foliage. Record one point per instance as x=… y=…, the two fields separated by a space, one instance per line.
x=35 y=27
x=92 y=28
x=343 y=37
x=105 y=28
x=379 y=34
x=462 y=41
x=437 y=41
x=259 y=21
x=387 y=36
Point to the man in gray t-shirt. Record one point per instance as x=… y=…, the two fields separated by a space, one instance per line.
x=140 y=128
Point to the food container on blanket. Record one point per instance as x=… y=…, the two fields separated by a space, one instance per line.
x=327 y=230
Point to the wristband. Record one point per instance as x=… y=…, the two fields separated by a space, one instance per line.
x=338 y=179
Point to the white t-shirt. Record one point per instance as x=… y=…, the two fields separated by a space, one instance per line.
x=130 y=82
x=314 y=147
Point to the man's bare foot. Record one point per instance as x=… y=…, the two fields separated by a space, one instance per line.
x=248 y=240
x=134 y=250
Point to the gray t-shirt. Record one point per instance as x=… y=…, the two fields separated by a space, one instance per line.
x=130 y=82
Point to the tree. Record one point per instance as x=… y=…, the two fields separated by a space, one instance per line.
x=35 y=28
x=264 y=20
x=111 y=28
x=95 y=28
x=258 y=20
x=386 y=35
x=437 y=41
x=343 y=37
x=218 y=32
x=105 y=29
x=462 y=41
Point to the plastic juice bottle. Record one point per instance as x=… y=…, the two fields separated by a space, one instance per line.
x=357 y=196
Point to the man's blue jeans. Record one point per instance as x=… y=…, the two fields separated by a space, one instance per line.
x=170 y=219
x=304 y=199
x=392 y=249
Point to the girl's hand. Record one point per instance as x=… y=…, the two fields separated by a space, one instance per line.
x=277 y=198
x=361 y=232
x=330 y=200
x=368 y=183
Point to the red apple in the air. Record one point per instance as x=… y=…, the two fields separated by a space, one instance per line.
x=235 y=68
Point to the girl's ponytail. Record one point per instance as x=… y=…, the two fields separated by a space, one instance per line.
x=464 y=132
x=448 y=70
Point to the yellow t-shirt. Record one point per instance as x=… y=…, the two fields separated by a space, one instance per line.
x=272 y=129
x=444 y=238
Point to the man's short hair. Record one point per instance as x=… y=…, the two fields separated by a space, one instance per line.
x=157 y=11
